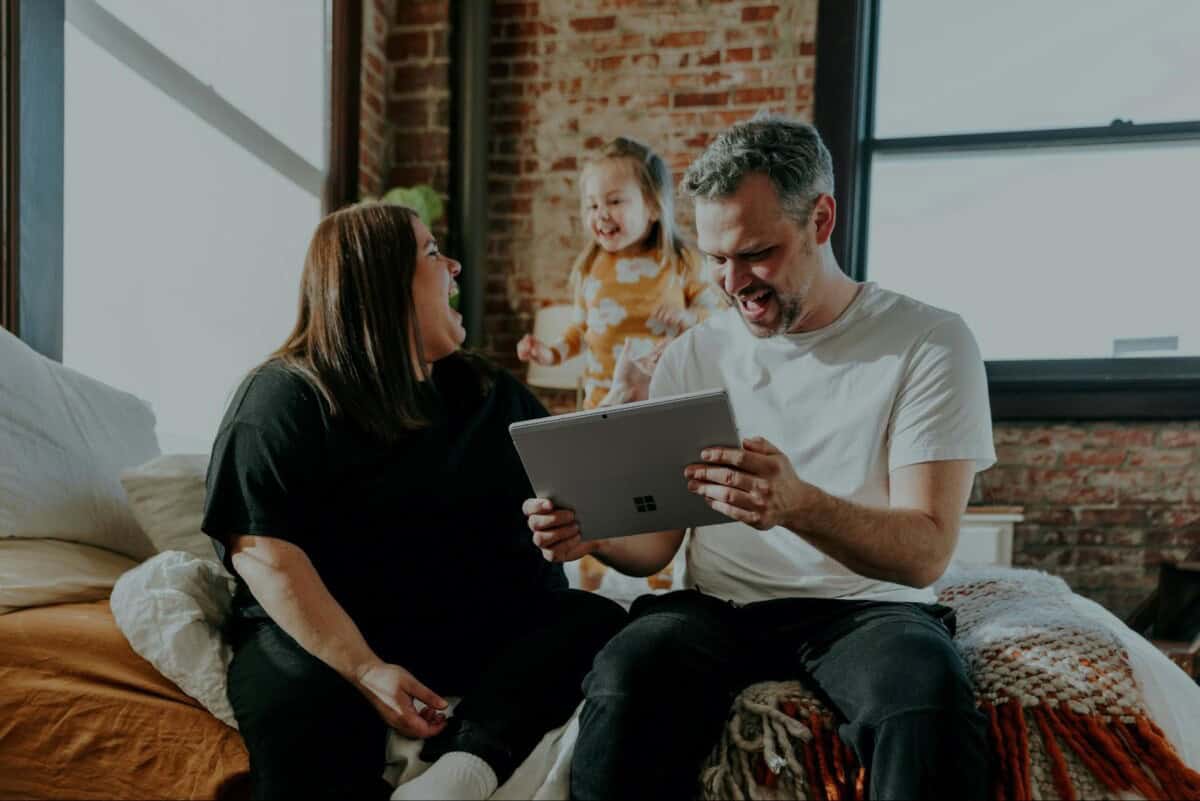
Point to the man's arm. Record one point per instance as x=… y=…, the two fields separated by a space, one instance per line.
x=910 y=542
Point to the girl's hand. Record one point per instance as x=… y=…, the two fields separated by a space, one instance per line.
x=672 y=320
x=631 y=377
x=391 y=690
x=530 y=348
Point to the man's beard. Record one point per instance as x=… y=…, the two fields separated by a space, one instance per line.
x=791 y=308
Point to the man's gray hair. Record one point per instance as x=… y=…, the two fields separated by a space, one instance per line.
x=787 y=151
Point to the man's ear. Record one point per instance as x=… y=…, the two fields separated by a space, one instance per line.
x=824 y=217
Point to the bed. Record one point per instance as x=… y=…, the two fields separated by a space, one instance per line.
x=83 y=716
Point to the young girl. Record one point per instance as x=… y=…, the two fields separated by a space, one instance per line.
x=636 y=284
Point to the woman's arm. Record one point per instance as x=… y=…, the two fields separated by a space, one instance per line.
x=286 y=584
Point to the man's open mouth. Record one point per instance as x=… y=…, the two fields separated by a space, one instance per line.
x=754 y=302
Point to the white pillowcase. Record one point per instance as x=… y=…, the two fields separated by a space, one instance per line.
x=39 y=572
x=167 y=498
x=64 y=439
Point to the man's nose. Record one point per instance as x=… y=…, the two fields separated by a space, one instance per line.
x=735 y=277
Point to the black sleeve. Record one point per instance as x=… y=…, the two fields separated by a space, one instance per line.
x=265 y=464
x=526 y=406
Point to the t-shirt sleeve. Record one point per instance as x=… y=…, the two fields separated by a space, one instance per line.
x=261 y=476
x=942 y=411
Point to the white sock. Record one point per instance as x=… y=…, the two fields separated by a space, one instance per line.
x=456 y=775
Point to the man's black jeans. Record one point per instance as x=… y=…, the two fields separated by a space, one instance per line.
x=661 y=690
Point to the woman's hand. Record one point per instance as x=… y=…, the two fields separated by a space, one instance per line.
x=555 y=531
x=391 y=690
x=530 y=348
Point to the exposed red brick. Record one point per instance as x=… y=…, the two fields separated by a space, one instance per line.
x=759 y=13
x=1180 y=437
x=403 y=45
x=505 y=10
x=513 y=49
x=407 y=114
x=759 y=95
x=739 y=54
x=423 y=12
x=691 y=99
x=680 y=39
x=593 y=24
x=420 y=79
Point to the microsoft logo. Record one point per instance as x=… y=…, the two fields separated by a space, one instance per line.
x=645 y=503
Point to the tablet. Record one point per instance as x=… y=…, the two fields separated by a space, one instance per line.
x=620 y=468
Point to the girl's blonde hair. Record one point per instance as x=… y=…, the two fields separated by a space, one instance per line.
x=658 y=190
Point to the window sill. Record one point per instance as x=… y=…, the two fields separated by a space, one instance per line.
x=1095 y=389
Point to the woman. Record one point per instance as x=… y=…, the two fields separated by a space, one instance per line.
x=365 y=492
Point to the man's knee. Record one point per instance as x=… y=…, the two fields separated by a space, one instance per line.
x=920 y=670
x=651 y=654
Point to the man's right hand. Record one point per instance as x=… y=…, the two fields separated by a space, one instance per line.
x=391 y=690
x=555 y=531
x=530 y=348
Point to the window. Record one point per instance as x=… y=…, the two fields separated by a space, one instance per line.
x=1033 y=167
x=194 y=160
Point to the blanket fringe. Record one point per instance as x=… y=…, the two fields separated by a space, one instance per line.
x=790 y=748
x=1125 y=756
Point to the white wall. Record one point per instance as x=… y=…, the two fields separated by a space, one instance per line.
x=182 y=251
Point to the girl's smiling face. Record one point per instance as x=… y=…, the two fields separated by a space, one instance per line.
x=614 y=209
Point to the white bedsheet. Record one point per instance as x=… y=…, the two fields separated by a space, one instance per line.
x=171 y=607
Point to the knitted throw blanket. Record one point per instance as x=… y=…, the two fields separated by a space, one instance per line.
x=1066 y=717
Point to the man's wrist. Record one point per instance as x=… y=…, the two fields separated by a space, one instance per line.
x=813 y=506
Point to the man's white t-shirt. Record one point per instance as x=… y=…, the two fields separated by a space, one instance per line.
x=891 y=382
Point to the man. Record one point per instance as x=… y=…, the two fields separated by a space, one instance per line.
x=871 y=417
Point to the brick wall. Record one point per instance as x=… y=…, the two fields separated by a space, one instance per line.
x=373 y=127
x=568 y=74
x=417 y=102
x=1105 y=503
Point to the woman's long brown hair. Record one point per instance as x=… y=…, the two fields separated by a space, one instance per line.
x=354 y=336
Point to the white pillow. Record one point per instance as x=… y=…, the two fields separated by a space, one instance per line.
x=167 y=498
x=38 y=572
x=64 y=439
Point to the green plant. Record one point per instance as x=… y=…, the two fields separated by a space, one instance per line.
x=422 y=199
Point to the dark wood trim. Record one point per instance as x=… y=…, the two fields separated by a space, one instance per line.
x=10 y=174
x=341 y=184
x=470 y=31
x=843 y=111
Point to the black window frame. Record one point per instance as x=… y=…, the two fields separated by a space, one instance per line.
x=1034 y=389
